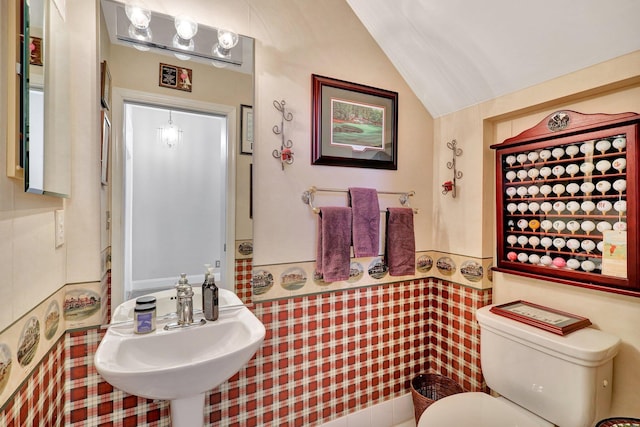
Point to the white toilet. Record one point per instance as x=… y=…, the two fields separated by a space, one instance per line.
x=543 y=379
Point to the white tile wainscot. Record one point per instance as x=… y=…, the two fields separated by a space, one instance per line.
x=396 y=412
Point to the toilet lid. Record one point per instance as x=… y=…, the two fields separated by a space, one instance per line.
x=478 y=410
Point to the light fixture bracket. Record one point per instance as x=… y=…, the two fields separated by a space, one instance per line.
x=163 y=29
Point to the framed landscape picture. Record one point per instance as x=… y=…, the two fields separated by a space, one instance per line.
x=353 y=125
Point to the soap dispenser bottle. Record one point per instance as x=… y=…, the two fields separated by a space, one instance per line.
x=210 y=296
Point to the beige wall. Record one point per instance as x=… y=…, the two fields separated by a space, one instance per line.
x=295 y=40
x=132 y=69
x=31 y=267
x=611 y=87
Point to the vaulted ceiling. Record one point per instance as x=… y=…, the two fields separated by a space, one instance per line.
x=458 y=53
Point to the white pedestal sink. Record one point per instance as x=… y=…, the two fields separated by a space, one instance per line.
x=179 y=365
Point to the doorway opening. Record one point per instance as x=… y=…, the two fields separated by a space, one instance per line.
x=175 y=197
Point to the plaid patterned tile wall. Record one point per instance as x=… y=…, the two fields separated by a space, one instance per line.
x=244 y=267
x=324 y=356
x=454 y=333
x=93 y=402
x=105 y=297
x=40 y=399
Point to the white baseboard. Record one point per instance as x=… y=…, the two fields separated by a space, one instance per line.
x=396 y=412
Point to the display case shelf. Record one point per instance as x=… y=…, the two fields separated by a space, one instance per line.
x=566 y=195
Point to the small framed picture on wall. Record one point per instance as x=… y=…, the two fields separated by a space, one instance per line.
x=104 y=151
x=246 y=129
x=174 y=77
x=105 y=85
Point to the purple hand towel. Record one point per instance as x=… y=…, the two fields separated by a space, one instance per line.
x=334 y=243
x=400 y=242
x=366 y=221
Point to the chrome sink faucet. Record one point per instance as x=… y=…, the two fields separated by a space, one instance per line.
x=184 y=302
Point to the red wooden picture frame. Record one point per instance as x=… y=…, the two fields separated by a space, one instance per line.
x=549 y=319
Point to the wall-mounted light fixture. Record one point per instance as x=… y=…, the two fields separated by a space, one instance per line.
x=450 y=186
x=145 y=29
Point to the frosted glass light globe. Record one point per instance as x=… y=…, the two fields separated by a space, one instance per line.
x=182 y=44
x=227 y=39
x=142 y=35
x=139 y=16
x=185 y=27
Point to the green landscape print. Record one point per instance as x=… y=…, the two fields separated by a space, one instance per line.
x=359 y=126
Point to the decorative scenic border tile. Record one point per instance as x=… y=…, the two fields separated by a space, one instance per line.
x=244 y=249
x=27 y=341
x=81 y=305
x=24 y=344
x=279 y=281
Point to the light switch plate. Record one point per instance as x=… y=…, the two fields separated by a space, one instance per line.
x=59 y=228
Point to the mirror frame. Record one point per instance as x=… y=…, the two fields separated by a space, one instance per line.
x=120 y=96
x=15 y=49
x=113 y=234
x=18 y=85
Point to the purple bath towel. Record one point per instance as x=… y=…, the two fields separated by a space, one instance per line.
x=366 y=221
x=334 y=243
x=400 y=242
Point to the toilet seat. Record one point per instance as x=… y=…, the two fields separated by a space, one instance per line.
x=478 y=410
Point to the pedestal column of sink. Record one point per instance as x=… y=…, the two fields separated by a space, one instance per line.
x=188 y=411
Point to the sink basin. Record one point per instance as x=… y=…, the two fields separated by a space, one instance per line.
x=179 y=364
x=166 y=303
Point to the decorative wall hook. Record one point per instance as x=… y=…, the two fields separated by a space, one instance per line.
x=284 y=153
x=450 y=186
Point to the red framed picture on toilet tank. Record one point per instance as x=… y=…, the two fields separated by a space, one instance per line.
x=549 y=319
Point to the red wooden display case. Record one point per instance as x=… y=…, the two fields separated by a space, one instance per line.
x=566 y=198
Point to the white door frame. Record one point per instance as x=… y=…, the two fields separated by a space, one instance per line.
x=119 y=97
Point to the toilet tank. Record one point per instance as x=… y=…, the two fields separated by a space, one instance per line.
x=566 y=380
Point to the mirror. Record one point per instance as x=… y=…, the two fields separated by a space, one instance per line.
x=224 y=89
x=45 y=151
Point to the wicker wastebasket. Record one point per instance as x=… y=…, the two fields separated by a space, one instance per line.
x=619 y=422
x=427 y=388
